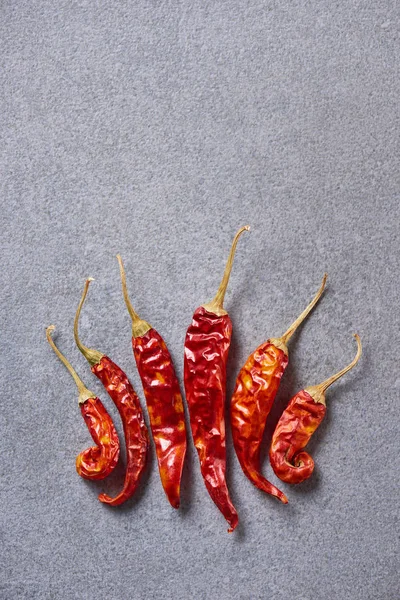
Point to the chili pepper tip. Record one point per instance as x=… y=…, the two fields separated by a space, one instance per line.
x=318 y=391
x=139 y=326
x=91 y=355
x=84 y=393
x=289 y=332
x=216 y=305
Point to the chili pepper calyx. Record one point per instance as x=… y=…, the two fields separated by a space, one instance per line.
x=139 y=326
x=84 y=393
x=317 y=392
x=279 y=343
x=216 y=305
x=92 y=356
x=291 y=330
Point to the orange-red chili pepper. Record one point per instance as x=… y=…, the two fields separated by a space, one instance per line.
x=127 y=402
x=255 y=391
x=163 y=398
x=206 y=351
x=98 y=461
x=297 y=424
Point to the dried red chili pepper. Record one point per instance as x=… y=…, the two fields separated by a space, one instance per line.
x=98 y=461
x=298 y=422
x=255 y=391
x=125 y=399
x=206 y=351
x=163 y=398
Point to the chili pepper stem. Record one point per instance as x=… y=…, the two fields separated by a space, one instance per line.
x=139 y=327
x=92 y=356
x=317 y=392
x=84 y=393
x=216 y=305
x=282 y=341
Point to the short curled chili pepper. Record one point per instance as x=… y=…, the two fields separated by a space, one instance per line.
x=125 y=399
x=98 y=461
x=297 y=424
x=255 y=391
x=206 y=351
x=163 y=398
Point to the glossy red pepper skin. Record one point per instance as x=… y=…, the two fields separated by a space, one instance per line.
x=164 y=403
x=297 y=424
x=136 y=437
x=98 y=461
x=206 y=351
x=255 y=391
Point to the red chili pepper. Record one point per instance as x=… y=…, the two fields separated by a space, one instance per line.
x=255 y=391
x=125 y=399
x=163 y=398
x=298 y=422
x=206 y=351
x=98 y=461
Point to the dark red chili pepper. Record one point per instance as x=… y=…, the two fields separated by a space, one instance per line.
x=98 y=461
x=206 y=351
x=298 y=422
x=125 y=399
x=163 y=398
x=255 y=391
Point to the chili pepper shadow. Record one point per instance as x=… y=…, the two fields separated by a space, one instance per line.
x=113 y=484
x=191 y=462
x=290 y=385
x=233 y=368
x=335 y=394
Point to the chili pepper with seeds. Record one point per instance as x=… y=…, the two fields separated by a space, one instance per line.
x=163 y=398
x=297 y=424
x=98 y=461
x=206 y=352
x=127 y=402
x=255 y=391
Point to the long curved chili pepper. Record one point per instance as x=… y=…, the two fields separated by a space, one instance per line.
x=206 y=351
x=297 y=424
x=255 y=391
x=98 y=461
x=163 y=398
x=125 y=399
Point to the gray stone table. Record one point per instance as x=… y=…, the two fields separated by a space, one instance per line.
x=156 y=129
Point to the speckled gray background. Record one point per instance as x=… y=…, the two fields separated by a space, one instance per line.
x=156 y=129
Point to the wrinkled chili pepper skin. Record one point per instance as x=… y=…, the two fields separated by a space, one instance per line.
x=136 y=437
x=98 y=461
x=255 y=391
x=294 y=429
x=164 y=403
x=206 y=351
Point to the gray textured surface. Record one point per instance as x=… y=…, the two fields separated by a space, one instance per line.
x=156 y=129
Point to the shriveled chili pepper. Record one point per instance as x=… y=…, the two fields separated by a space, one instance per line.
x=255 y=391
x=163 y=398
x=98 y=461
x=125 y=399
x=206 y=351
x=297 y=424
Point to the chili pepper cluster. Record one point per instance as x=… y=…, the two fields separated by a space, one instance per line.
x=205 y=358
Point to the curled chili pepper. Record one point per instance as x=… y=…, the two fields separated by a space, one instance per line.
x=98 y=461
x=297 y=424
x=255 y=391
x=206 y=351
x=163 y=398
x=125 y=399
